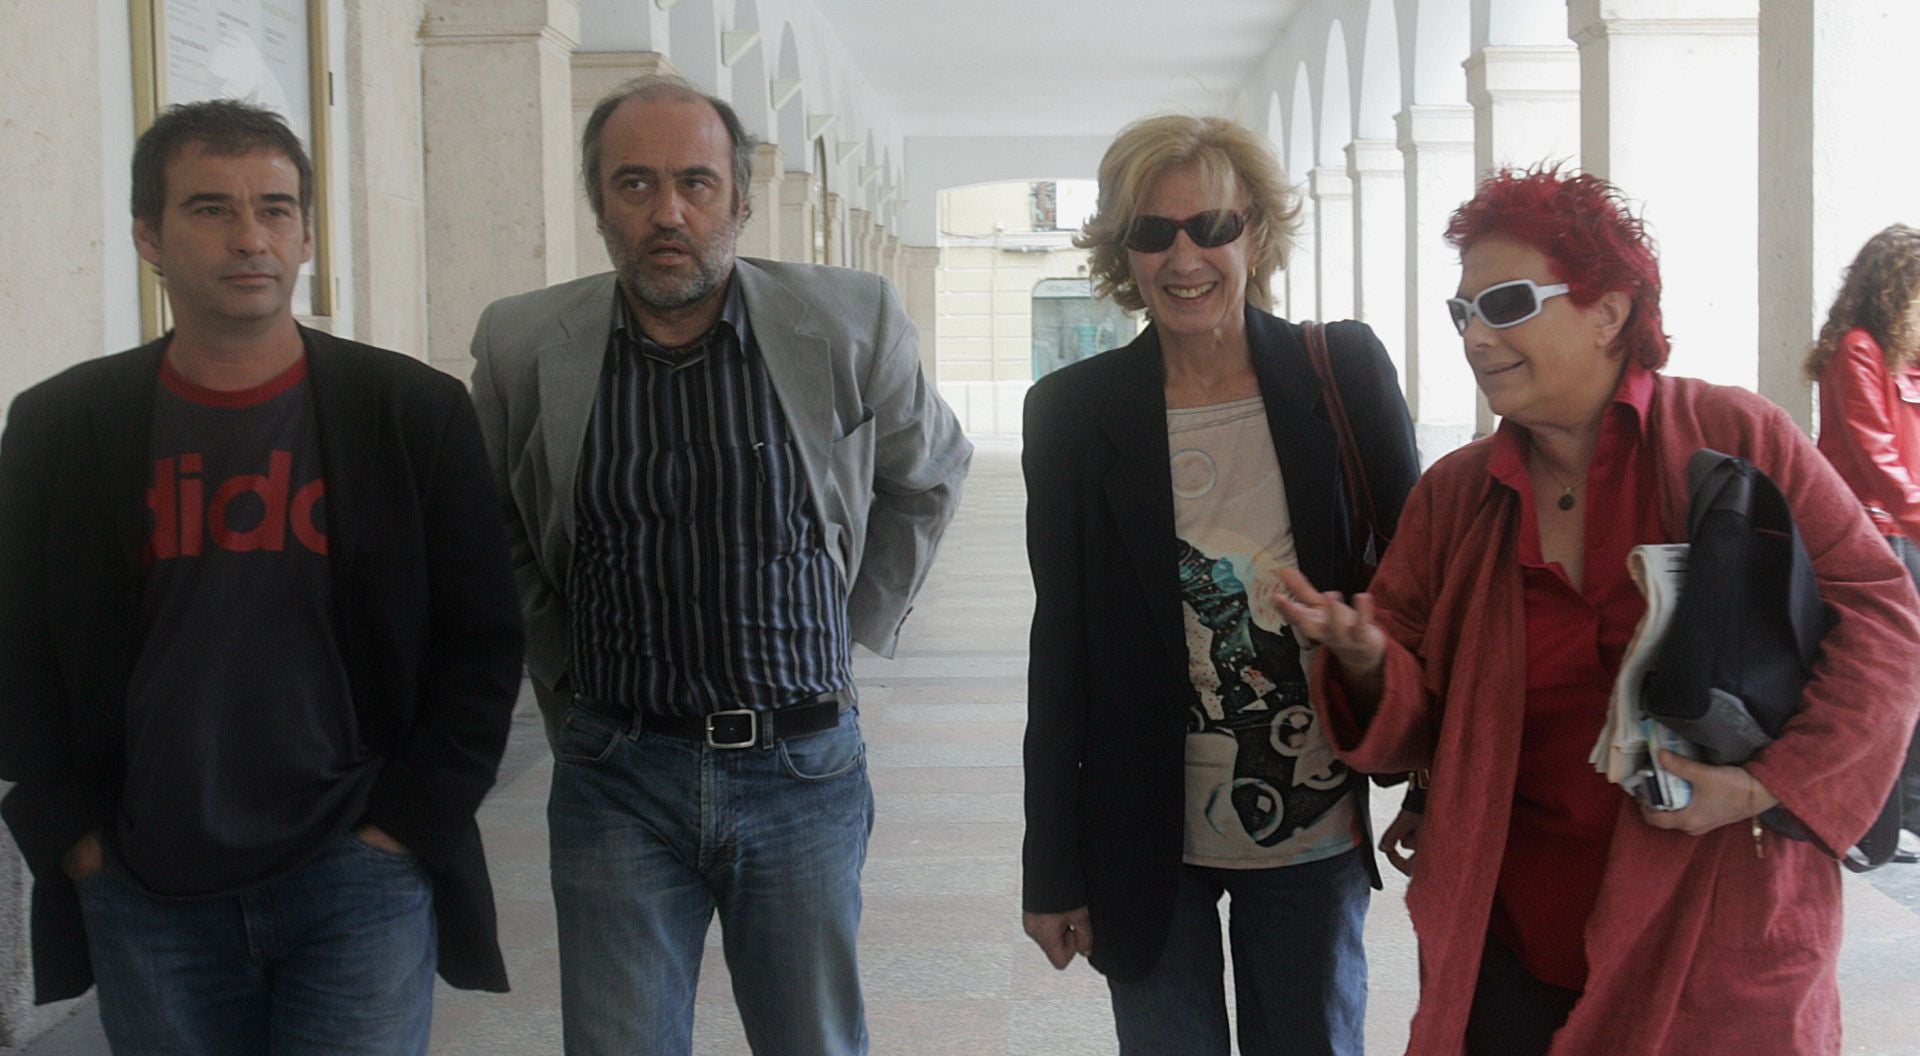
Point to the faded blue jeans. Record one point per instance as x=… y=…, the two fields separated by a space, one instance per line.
x=1299 y=967
x=335 y=958
x=652 y=834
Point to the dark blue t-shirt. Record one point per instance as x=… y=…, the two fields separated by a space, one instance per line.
x=243 y=753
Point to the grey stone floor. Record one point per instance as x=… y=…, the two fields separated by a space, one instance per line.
x=946 y=968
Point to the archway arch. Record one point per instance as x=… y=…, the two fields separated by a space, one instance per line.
x=789 y=100
x=1302 y=270
x=1379 y=77
x=693 y=36
x=1517 y=22
x=622 y=25
x=1300 y=157
x=1336 y=99
x=1442 y=40
x=748 y=74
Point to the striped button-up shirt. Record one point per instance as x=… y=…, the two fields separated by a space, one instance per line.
x=700 y=579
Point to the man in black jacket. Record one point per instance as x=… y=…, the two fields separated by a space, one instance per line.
x=250 y=723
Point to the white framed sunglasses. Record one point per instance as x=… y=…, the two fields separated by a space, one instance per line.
x=1503 y=304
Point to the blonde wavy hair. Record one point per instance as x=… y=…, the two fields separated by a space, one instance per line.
x=1228 y=156
x=1878 y=295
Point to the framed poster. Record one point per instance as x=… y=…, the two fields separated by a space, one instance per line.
x=269 y=52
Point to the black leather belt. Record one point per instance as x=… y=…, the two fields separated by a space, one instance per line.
x=745 y=727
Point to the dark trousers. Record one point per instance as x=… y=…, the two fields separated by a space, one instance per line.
x=1909 y=552
x=1514 y=1013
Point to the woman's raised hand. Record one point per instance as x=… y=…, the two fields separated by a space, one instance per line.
x=1323 y=618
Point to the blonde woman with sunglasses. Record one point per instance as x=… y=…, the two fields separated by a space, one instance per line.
x=1171 y=753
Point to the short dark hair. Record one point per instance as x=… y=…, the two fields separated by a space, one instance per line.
x=226 y=127
x=662 y=87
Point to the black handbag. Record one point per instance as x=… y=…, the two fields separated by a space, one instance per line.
x=1746 y=633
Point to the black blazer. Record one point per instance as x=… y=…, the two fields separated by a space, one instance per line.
x=425 y=614
x=1108 y=692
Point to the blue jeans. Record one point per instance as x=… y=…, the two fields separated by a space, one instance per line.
x=652 y=834
x=1299 y=968
x=334 y=958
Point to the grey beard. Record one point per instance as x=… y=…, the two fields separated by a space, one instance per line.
x=709 y=273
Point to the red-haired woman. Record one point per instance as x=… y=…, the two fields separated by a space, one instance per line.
x=1554 y=914
x=1867 y=362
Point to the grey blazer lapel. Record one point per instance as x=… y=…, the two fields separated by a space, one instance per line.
x=797 y=363
x=569 y=371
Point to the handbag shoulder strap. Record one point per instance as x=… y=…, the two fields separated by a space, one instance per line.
x=1359 y=492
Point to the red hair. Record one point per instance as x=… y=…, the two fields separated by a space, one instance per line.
x=1582 y=224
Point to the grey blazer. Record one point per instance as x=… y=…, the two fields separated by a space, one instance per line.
x=883 y=455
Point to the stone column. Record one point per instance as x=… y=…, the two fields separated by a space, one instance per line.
x=1684 y=146
x=385 y=177
x=52 y=279
x=919 y=271
x=761 y=236
x=1437 y=142
x=890 y=259
x=797 y=219
x=1378 y=173
x=500 y=178
x=1332 y=192
x=836 y=230
x=1830 y=172
x=56 y=221
x=1526 y=106
x=876 y=240
x=859 y=239
x=595 y=75
x=1303 y=269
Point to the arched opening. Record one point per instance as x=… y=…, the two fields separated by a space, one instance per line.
x=693 y=35
x=1379 y=73
x=748 y=73
x=1336 y=99
x=789 y=102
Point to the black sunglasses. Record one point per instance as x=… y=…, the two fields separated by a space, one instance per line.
x=1155 y=234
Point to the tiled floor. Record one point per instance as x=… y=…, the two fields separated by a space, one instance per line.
x=947 y=970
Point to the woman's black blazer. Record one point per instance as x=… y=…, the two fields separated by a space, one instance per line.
x=1108 y=693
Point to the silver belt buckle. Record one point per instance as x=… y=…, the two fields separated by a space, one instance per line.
x=753 y=728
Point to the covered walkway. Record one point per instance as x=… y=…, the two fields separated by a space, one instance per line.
x=947 y=970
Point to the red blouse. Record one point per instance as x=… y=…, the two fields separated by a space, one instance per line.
x=1564 y=811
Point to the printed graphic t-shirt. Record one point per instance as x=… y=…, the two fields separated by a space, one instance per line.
x=243 y=754
x=1263 y=786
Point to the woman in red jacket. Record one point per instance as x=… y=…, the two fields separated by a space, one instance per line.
x=1867 y=363
x=1554 y=914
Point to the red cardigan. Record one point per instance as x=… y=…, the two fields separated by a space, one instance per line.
x=1870 y=431
x=1694 y=944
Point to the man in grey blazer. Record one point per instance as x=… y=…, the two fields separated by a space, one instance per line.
x=719 y=474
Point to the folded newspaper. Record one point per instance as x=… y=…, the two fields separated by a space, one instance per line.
x=1624 y=752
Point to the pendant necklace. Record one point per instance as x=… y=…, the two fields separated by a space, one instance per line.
x=1565 y=501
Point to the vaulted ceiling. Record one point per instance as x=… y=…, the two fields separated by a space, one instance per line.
x=1052 y=67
